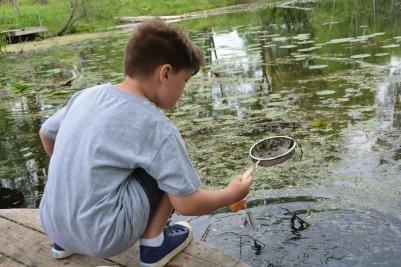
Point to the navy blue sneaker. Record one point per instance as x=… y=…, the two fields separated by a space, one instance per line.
x=60 y=253
x=176 y=238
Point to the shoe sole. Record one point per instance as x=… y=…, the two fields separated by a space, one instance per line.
x=57 y=254
x=174 y=252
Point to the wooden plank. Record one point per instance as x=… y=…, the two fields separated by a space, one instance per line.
x=26 y=217
x=33 y=248
x=8 y=262
x=197 y=254
x=25 y=31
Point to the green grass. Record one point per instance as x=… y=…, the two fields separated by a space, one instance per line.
x=100 y=14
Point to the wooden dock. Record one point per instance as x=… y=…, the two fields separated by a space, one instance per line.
x=23 y=34
x=24 y=243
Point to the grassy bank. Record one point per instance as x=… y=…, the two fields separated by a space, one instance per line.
x=93 y=15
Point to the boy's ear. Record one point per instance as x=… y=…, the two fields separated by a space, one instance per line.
x=165 y=71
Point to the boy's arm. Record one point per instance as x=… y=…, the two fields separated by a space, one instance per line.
x=203 y=202
x=48 y=143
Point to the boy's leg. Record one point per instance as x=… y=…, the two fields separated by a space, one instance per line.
x=170 y=240
x=158 y=221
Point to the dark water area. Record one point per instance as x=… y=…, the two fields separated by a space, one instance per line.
x=326 y=73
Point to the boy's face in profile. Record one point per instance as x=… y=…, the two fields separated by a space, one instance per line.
x=173 y=84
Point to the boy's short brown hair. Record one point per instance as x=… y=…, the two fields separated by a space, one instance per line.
x=155 y=43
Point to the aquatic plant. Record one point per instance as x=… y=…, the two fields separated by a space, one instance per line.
x=3 y=43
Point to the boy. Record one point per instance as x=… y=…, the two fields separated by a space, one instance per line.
x=118 y=165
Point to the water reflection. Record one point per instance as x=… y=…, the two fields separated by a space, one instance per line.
x=327 y=74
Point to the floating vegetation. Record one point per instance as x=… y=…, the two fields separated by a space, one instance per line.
x=296 y=55
x=371 y=35
x=273 y=35
x=366 y=109
x=306 y=42
x=190 y=107
x=360 y=56
x=391 y=46
x=381 y=54
x=309 y=49
x=276 y=95
x=317 y=67
x=330 y=23
x=20 y=87
x=221 y=108
x=302 y=36
x=249 y=101
x=326 y=92
x=319 y=123
x=275 y=104
x=280 y=39
x=201 y=120
x=340 y=40
x=269 y=45
x=287 y=46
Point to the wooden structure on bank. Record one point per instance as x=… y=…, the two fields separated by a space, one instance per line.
x=24 y=34
x=24 y=243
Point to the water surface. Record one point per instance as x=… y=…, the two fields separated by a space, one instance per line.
x=326 y=73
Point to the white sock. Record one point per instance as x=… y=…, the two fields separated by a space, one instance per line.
x=153 y=242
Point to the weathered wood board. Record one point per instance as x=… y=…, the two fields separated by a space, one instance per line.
x=23 y=242
x=25 y=31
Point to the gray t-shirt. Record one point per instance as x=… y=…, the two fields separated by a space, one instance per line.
x=89 y=205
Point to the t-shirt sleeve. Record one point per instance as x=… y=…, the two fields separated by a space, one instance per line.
x=51 y=125
x=172 y=167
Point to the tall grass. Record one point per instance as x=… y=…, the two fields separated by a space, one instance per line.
x=97 y=14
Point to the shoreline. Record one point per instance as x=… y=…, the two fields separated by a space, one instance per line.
x=52 y=42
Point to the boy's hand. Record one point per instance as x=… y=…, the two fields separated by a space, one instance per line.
x=239 y=187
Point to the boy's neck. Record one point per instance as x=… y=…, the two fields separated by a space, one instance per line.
x=136 y=87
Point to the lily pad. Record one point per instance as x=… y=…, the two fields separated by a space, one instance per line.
x=381 y=54
x=306 y=42
x=309 y=49
x=317 y=67
x=326 y=92
x=340 y=40
x=360 y=56
x=319 y=124
x=269 y=45
x=191 y=107
x=280 y=39
x=275 y=104
x=200 y=120
x=221 y=108
x=302 y=36
x=391 y=46
x=276 y=95
x=366 y=109
x=287 y=46
x=249 y=101
x=272 y=35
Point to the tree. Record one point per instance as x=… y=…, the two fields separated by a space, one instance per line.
x=72 y=18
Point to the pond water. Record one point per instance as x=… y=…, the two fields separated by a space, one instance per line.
x=326 y=73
